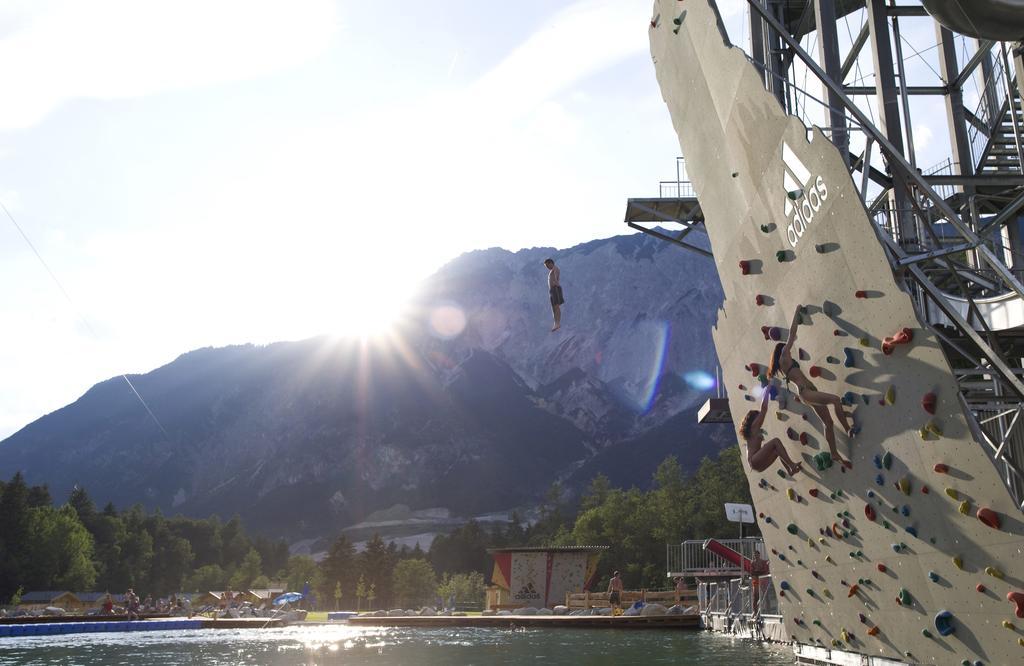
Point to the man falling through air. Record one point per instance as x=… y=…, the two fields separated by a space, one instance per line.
x=555 y=289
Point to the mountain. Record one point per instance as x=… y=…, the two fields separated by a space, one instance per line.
x=474 y=406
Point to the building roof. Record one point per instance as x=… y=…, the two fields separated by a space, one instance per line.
x=40 y=596
x=266 y=593
x=549 y=549
x=98 y=596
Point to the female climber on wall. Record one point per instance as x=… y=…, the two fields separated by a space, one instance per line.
x=761 y=454
x=819 y=401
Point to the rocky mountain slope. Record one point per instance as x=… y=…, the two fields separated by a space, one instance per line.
x=302 y=438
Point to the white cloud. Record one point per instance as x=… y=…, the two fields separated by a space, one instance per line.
x=60 y=50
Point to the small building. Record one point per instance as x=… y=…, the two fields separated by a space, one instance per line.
x=38 y=600
x=543 y=576
x=91 y=600
x=265 y=596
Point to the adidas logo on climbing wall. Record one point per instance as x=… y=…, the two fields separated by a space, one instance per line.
x=804 y=194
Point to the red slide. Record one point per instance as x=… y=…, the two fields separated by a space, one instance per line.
x=734 y=557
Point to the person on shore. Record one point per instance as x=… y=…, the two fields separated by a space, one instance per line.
x=108 y=605
x=784 y=363
x=615 y=593
x=761 y=454
x=131 y=602
x=680 y=590
x=555 y=292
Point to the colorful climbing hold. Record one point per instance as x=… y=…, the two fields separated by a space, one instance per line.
x=759 y=299
x=792 y=434
x=928 y=402
x=904 y=336
x=782 y=255
x=790 y=493
x=792 y=528
x=782 y=474
x=890 y=396
x=881 y=567
x=765 y=228
x=924 y=489
x=926 y=633
x=873 y=631
x=944 y=622
x=989 y=517
x=815 y=371
x=940 y=468
x=1017 y=599
x=980 y=587
x=903 y=597
x=865 y=342
x=1008 y=625
x=850 y=361
x=933 y=577
x=804 y=439
x=879 y=479
x=813 y=492
x=911 y=530
x=904 y=485
x=953 y=494
x=853 y=590
x=860 y=293
x=745 y=267
x=995 y=573
x=869 y=512
x=964 y=507
x=887 y=460
x=905 y=510
x=822 y=461
x=958 y=562
x=784 y=585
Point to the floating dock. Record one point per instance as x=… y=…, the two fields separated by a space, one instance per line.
x=533 y=621
x=56 y=625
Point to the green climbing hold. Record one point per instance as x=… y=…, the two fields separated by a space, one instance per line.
x=781 y=256
x=926 y=633
x=887 y=460
x=792 y=528
x=822 y=461
x=782 y=474
x=903 y=597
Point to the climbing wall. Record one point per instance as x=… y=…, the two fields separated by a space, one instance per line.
x=915 y=553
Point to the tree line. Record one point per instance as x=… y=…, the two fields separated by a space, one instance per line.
x=79 y=547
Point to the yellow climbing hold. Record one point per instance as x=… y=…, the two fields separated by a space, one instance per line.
x=995 y=573
x=933 y=429
x=904 y=485
x=828 y=558
x=865 y=342
x=952 y=493
x=821 y=539
x=827 y=594
x=1008 y=625
x=845 y=635
x=958 y=562
x=964 y=507
x=890 y=395
x=810 y=542
x=790 y=493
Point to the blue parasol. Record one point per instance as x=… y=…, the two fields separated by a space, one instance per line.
x=287 y=598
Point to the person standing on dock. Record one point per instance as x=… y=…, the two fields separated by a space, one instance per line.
x=555 y=291
x=615 y=593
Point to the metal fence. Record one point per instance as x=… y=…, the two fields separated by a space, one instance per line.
x=739 y=596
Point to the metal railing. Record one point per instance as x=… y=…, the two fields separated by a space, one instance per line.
x=739 y=596
x=676 y=189
x=690 y=559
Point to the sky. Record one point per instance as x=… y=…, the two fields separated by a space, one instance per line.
x=221 y=172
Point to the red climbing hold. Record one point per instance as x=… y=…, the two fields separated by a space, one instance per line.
x=745 y=267
x=989 y=517
x=837 y=332
x=979 y=587
x=860 y=293
x=755 y=369
x=853 y=590
x=804 y=438
x=928 y=402
x=1017 y=599
x=904 y=336
x=924 y=489
x=881 y=567
x=742 y=387
x=873 y=631
x=941 y=468
x=813 y=492
x=869 y=511
x=759 y=299
x=815 y=371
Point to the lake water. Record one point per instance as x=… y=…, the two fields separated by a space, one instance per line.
x=340 y=644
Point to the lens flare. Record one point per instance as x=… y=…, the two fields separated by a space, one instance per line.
x=659 y=335
x=447 y=321
x=699 y=380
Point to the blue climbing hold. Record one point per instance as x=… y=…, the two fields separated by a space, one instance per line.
x=905 y=510
x=850 y=361
x=912 y=531
x=944 y=623
x=933 y=577
x=880 y=480
x=878 y=461
x=784 y=585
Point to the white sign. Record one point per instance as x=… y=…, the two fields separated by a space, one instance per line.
x=739 y=513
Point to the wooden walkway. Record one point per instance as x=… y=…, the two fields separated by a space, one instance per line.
x=550 y=621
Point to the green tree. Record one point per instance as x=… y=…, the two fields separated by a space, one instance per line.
x=414 y=582
x=465 y=588
x=61 y=550
x=338 y=568
x=337 y=595
x=376 y=563
x=249 y=570
x=360 y=591
x=206 y=578
x=300 y=570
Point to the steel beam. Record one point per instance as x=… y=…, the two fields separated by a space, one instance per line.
x=828 y=51
x=983 y=48
x=956 y=120
x=889 y=111
x=912 y=90
x=855 y=49
x=666 y=237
